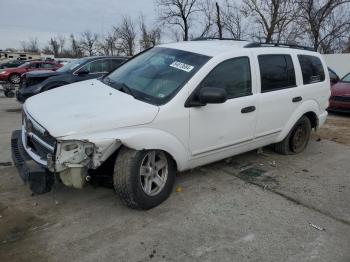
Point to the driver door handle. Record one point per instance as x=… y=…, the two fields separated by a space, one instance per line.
x=297 y=99
x=248 y=109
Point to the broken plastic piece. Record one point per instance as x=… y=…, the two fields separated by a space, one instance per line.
x=178 y=189
x=317 y=227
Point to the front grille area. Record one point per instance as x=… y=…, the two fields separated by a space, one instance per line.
x=341 y=98
x=37 y=139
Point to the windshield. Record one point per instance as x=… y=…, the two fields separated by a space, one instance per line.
x=157 y=74
x=346 y=78
x=71 y=65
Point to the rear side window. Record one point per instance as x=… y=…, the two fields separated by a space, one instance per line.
x=277 y=72
x=312 y=69
x=233 y=75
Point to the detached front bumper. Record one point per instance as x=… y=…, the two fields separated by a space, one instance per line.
x=39 y=178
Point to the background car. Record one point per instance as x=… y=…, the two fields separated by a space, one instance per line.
x=13 y=75
x=340 y=97
x=334 y=78
x=12 y=64
x=75 y=71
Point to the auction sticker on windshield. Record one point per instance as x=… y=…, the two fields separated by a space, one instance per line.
x=182 y=66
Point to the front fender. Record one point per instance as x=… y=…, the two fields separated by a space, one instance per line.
x=140 y=139
x=305 y=107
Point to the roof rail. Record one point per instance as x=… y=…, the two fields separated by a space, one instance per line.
x=216 y=38
x=252 y=45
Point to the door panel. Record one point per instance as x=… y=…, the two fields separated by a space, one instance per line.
x=232 y=123
x=278 y=89
x=218 y=126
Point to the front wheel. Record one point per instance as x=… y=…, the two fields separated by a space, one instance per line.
x=15 y=79
x=143 y=179
x=297 y=139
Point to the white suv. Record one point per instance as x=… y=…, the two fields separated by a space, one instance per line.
x=172 y=108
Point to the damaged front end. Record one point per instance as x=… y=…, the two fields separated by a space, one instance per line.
x=73 y=159
x=34 y=150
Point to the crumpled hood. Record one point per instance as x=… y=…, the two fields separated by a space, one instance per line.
x=341 y=89
x=87 y=107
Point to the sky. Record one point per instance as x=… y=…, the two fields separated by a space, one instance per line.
x=21 y=20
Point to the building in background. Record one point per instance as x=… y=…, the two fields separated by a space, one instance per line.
x=6 y=56
x=339 y=63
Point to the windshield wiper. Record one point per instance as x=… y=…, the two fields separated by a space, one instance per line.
x=120 y=86
x=124 y=88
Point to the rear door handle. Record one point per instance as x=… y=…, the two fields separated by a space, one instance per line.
x=248 y=109
x=297 y=99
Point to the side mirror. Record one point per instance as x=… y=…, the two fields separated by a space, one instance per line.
x=83 y=72
x=212 y=95
x=334 y=80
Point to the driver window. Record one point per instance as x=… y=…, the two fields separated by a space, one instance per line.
x=233 y=75
x=99 y=66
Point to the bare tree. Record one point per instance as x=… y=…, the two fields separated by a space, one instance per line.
x=108 y=45
x=88 y=42
x=347 y=46
x=75 y=47
x=61 y=40
x=271 y=16
x=212 y=19
x=149 y=38
x=233 y=21
x=326 y=22
x=30 y=46
x=126 y=36
x=218 y=20
x=207 y=20
x=178 y=13
x=55 y=46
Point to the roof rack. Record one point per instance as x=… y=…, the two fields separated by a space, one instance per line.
x=217 y=38
x=252 y=45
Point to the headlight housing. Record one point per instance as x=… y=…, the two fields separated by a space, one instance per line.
x=73 y=152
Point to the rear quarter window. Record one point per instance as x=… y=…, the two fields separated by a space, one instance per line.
x=311 y=68
x=277 y=72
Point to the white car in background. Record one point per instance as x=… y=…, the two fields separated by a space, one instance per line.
x=172 y=108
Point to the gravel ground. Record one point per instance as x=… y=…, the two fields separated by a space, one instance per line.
x=252 y=207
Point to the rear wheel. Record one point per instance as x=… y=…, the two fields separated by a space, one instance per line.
x=15 y=79
x=143 y=179
x=9 y=94
x=297 y=139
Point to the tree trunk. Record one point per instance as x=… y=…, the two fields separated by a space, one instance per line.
x=218 y=19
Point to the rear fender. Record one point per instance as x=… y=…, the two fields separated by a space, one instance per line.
x=307 y=106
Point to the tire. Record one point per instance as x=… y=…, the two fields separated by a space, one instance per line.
x=41 y=183
x=15 y=79
x=134 y=177
x=10 y=94
x=297 y=139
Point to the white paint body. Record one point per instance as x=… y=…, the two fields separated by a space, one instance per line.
x=94 y=112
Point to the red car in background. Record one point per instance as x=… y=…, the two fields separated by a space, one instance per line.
x=13 y=75
x=340 y=97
